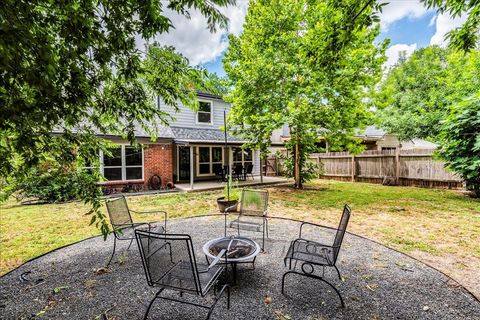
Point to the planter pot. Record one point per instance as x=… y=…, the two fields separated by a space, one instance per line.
x=223 y=204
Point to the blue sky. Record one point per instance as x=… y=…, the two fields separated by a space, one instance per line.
x=408 y=30
x=407 y=23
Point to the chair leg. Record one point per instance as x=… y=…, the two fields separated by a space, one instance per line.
x=226 y=286
x=266 y=221
x=151 y=303
x=314 y=277
x=113 y=253
x=338 y=272
x=131 y=241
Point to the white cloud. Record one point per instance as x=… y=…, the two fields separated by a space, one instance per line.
x=393 y=53
x=192 y=38
x=398 y=9
x=444 y=24
x=432 y=21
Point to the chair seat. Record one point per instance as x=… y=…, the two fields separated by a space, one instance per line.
x=180 y=276
x=128 y=232
x=310 y=251
x=246 y=225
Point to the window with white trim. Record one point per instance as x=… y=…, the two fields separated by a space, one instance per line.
x=204 y=114
x=124 y=163
x=210 y=160
x=242 y=156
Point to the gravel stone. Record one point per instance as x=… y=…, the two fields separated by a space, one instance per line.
x=378 y=283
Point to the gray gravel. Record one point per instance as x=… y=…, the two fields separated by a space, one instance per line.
x=379 y=283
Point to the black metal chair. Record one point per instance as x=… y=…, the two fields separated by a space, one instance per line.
x=122 y=223
x=219 y=174
x=249 y=171
x=169 y=263
x=253 y=204
x=311 y=254
x=238 y=172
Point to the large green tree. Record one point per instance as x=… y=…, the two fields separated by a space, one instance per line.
x=73 y=67
x=305 y=63
x=434 y=94
x=417 y=94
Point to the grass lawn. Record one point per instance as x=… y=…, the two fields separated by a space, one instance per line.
x=439 y=227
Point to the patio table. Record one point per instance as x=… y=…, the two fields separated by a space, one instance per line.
x=238 y=250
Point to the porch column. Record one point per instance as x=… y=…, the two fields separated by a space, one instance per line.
x=261 y=167
x=191 y=167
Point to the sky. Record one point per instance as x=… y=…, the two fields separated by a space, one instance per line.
x=407 y=23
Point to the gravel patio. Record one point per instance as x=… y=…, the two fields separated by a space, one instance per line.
x=379 y=283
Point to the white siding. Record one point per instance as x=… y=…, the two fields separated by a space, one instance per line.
x=186 y=117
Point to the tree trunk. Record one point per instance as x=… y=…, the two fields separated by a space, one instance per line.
x=298 y=181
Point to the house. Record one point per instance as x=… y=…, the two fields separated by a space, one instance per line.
x=191 y=149
x=373 y=138
x=377 y=139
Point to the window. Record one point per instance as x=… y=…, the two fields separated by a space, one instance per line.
x=210 y=160
x=204 y=114
x=242 y=156
x=124 y=163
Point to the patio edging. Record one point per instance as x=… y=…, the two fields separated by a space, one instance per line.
x=279 y=218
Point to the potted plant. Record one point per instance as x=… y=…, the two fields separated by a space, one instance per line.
x=230 y=196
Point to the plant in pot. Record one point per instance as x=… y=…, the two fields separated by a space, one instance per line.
x=230 y=197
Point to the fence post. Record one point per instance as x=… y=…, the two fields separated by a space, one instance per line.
x=353 y=168
x=397 y=165
x=318 y=167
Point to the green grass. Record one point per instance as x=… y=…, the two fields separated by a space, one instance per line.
x=438 y=226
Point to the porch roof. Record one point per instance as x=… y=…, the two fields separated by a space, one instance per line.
x=183 y=134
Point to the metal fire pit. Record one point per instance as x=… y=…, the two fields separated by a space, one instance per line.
x=239 y=250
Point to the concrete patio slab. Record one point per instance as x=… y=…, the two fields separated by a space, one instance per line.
x=215 y=185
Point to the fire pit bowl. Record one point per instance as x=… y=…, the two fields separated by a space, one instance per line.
x=238 y=248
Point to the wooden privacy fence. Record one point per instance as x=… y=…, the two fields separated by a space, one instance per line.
x=403 y=167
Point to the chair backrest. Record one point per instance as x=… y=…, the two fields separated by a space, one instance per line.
x=238 y=168
x=253 y=202
x=118 y=211
x=342 y=227
x=169 y=260
x=249 y=168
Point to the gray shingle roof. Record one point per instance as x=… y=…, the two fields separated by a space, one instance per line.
x=371 y=132
x=210 y=135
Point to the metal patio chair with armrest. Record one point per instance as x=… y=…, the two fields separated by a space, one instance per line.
x=253 y=204
x=249 y=171
x=311 y=254
x=122 y=223
x=169 y=263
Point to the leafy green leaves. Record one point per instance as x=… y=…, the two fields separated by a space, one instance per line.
x=460 y=141
x=70 y=70
x=416 y=95
x=308 y=64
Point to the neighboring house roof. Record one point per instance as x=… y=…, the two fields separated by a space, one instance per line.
x=371 y=132
x=419 y=144
x=182 y=134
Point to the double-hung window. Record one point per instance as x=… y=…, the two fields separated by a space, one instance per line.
x=210 y=160
x=124 y=163
x=204 y=114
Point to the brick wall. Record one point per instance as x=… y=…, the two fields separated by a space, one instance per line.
x=158 y=159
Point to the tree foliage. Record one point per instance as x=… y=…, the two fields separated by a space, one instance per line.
x=304 y=63
x=466 y=37
x=417 y=94
x=459 y=140
x=72 y=67
x=434 y=94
